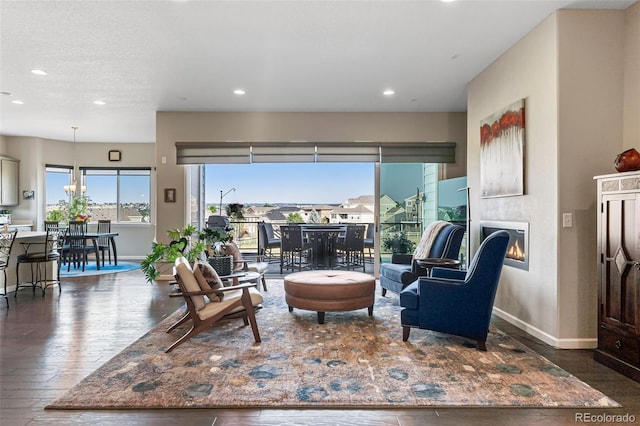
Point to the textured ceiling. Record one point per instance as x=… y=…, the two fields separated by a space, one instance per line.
x=140 y=57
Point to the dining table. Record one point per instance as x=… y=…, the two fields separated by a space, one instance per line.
x=94 y=237
x=323 y=238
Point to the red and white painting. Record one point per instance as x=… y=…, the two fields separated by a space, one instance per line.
x=502 y=152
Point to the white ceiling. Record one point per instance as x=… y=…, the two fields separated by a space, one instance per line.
x=140 y=57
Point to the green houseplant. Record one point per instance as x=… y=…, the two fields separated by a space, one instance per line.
x=183 y=243
x=398 y=243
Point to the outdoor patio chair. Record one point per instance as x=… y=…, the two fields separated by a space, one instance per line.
x=267 y=241
x=295 y=252
x=350 y=249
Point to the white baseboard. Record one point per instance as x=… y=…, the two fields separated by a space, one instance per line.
x=571 y=343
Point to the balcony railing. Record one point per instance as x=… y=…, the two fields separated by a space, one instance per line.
x=245 y=234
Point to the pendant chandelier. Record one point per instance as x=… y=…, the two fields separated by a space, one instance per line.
x=71 y=189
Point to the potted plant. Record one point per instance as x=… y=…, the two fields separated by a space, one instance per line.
x=182 y=244
x=398 y=243
x=234 y=211
x=217 y=256
x=78 y=208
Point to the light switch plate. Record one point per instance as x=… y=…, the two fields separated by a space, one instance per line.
x=567 y=220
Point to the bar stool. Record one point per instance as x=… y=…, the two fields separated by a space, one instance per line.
x=44 y=252
x=6 y=243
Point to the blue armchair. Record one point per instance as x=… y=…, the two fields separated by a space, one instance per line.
x=403 y=269
x=457 y=302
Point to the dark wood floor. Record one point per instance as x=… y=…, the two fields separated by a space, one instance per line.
x=49 y=344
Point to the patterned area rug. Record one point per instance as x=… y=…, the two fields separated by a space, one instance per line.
x=352 y=361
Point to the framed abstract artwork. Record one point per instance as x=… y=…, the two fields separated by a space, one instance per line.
x=502 y=137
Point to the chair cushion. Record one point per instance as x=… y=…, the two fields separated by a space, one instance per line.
x=189 y=281
x=232 y=296
x=232 y=249
x=397 y=272
x=208 y=279
x=259 y=267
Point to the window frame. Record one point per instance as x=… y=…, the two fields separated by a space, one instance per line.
x=87 y=171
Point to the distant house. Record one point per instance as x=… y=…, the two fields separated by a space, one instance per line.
x=362 y=200
x=387 y=203
x=357 y=214
x=322 y=211
x=396 y=214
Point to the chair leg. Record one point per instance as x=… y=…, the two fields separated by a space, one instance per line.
x=248 y=306
x=5 y=288
x=179 y=322
x=181 y=340
x=384 y=291
x=405 y=333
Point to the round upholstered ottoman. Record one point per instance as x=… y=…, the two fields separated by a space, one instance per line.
x=329 y=291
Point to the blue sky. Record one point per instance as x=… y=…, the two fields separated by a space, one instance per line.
x=259 y=183
x=304 y=183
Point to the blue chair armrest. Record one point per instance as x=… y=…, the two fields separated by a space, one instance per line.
x=454 y=274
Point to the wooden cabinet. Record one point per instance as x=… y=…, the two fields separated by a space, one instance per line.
x=9 y=175
x=619 y=273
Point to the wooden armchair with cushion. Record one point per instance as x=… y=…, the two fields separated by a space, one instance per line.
x=221 y=302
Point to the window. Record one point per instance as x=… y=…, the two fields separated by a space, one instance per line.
x=120 y=195
x=57 y=200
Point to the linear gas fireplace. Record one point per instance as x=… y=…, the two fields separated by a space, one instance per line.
x=518 y=249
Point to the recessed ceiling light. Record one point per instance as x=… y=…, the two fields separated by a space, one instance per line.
x=447 y=1
x=239 y=92
x=39 y=72
x=17 y=102
x=99 y=102
x=388 y=92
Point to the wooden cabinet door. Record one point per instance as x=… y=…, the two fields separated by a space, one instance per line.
x=620 y=280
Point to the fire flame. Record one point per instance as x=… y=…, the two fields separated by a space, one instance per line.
x=515 y=252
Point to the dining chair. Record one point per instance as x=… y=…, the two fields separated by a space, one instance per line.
x=350 y=249
x=6 y=244
x=267 y=241
x=76 y=249
x=369 y=241
x=37 y=255
x=294 y=250
x=51 y=224
x=104 y=243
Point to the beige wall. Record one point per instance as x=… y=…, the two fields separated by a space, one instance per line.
x=174 y=127
x=527 y=71
x=631 y=111
x=590 y=109
x=570 y=71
